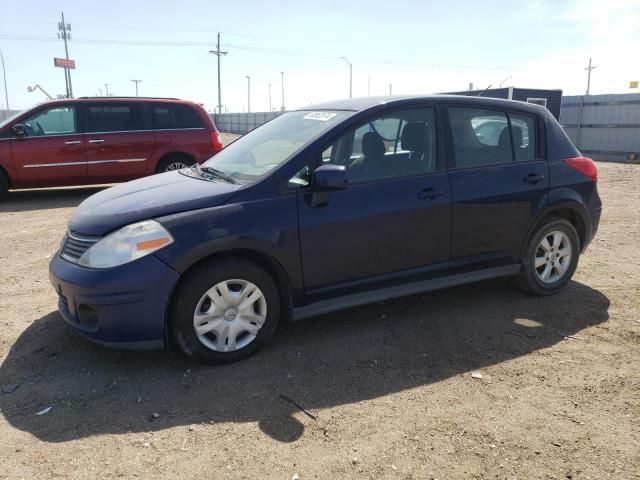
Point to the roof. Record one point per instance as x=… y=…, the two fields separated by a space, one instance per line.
x=364 y=103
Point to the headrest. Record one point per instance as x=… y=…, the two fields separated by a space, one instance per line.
x=517 y=136
x=415 y=137
x=373 y=145
x=503 y=139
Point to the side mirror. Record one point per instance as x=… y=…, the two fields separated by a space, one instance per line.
x=325 y=179
x=329 y=177
x=19 y=130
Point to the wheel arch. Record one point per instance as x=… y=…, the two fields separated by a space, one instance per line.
x=3 y=172
x=571 y=211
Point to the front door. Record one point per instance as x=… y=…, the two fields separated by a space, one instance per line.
x=119 y=141
x=53 y=152
x=499 y=182
x=394 y=216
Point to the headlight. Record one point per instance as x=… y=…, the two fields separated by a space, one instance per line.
x=127 y=244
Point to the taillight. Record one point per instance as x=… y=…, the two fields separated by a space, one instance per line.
x=216 y=140
x=584 y=165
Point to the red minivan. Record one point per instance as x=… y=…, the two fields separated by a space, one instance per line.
x=94 y=140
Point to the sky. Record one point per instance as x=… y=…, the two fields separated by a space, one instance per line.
x=416 y=46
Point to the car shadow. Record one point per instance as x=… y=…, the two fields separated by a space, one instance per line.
x=342 y=358
x=43 y=199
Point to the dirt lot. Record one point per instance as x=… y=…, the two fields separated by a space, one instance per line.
x=389 y=385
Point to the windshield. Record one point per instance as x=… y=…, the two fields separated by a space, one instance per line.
x=264 y=149
x=9 y=120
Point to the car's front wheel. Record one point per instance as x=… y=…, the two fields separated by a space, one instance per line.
x=550 y=258
x=224 y=310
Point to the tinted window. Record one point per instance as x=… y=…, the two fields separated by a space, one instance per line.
x=52 y=121
x=395 y=145
x=480 y=137
x=110 y=117
x=524 y=140
x=175 y=115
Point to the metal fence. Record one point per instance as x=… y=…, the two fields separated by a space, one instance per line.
x=4 y=114
x=241 y=123
x=604 y=127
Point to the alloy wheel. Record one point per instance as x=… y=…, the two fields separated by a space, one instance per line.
x=553 y=257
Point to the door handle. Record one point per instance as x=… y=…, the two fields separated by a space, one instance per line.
x=73 y=142
x=97 y=140
x=429 y=194
x=533 y=178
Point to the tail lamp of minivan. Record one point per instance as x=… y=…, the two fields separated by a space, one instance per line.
x=584 y=165
x=216 y=140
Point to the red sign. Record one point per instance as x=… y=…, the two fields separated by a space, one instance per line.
x=64 y=63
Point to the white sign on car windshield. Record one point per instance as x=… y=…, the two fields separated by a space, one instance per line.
x=322 y=116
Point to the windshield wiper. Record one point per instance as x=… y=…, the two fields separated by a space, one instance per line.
x=203 y=171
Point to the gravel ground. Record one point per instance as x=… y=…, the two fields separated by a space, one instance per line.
x=390 y=389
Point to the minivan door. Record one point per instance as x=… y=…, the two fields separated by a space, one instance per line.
x=499 y=181
x=119 y=141
x=392 y=220
x=52 y=153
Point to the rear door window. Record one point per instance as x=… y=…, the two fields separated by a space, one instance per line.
x=112 y=117
x=174 y=116
x=480 y=137
x=524 y=136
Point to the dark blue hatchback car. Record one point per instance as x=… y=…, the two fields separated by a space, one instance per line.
x=326 y=208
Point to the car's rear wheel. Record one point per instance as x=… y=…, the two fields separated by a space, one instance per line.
x=550 y=258
x=224 y=310
x=174 y=162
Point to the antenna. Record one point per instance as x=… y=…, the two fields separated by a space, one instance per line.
x=483 y=91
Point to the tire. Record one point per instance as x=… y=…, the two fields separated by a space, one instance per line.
x=174 y=162
x=229 y=331
x=551 y=258
x=4 y=184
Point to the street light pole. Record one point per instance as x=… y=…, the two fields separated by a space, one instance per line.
x=248 y=94
x=136 y=82
x=282 y=83
x=4 y=75
x=350 y=75
x=270 y=96
x=106 y=89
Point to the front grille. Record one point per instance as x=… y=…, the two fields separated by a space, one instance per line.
x=74 y=246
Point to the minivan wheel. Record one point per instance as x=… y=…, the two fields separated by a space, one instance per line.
x=4 y=184
x=224 y=310
x=174 y=162
x=550 y=257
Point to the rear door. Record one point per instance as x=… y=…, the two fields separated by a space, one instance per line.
x=499 y=181
x=119 y=141
x=53 y=151
x=393 y=217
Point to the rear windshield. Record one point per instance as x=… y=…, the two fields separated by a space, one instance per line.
x=175 y=115
x=265 y=148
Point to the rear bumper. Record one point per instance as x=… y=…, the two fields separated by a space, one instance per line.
x=123 y=306
x=592 y=228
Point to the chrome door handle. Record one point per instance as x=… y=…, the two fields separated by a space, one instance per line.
x=98 y=140
x=73 y=142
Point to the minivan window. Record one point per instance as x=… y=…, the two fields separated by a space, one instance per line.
x=175 y=115
x=480 y=137
x=268 y=146
x=396 y=144
x=524 y=139
x=51 y=121
x=110 y=117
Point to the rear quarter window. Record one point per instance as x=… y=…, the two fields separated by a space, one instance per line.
x=175 y=116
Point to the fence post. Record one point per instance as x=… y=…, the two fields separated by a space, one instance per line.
x=579 y=122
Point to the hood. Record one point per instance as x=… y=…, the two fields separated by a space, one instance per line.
x=146 y=198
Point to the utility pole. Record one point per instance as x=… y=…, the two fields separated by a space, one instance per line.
x=248 y=94
x=390 y=89
x=106 y=89
x=350 y=75
x=100 y=90
x=282 y=83
x=136 y=82
x=63 y=32
x=4 y=75
x=270 y=96
x=589 y=68
x=218 y=53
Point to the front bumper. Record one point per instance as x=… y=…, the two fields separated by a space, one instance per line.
x=123 y=306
